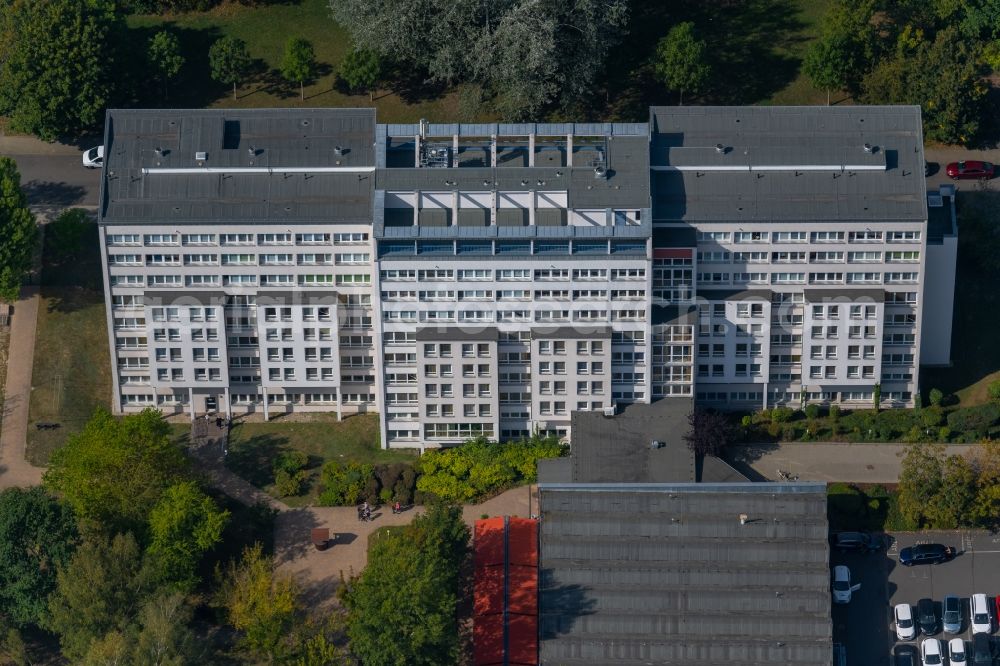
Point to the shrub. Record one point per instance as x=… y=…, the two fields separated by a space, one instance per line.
x=290 y=462
x=782 y=414
x=994 y=391
x=812 y=411
x=944 y=434
x=931 y=417
x=479 y=468
x=935 y=397
x=834 y=412
x=289 y=484
x=346 y=484
x=974 y=421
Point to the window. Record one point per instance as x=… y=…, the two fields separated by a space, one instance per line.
x=788 y=278
x=713 y=236
x=903 y=237
x=312 y=239
x=237 y=239
x=790 y=237
x=788 y=257
x=868 y=256
x=902 y=256
x=901 y=278
x=713 y=278
x=354 y=238
x=827 y=237
x=750 y=237
x=864 y=237
x=826 y=257
x=864 y=278
x=274 y=239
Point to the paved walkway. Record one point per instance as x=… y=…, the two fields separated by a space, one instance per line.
x=836 y=461
x=14 y=469
x=321 y=572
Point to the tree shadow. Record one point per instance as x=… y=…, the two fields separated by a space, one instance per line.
x=59 y=194
x=560 y=606
x=414 y=86
x=253 y=458
x=294 y=529
x=193 y=87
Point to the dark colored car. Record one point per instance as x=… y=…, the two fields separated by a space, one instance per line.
x=862 y=542
x=982 y=650
x=906 y=655
x=926 y=553
x=926 y=617
x=971 y=169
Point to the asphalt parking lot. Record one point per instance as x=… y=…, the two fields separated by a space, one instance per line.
x=865 y=625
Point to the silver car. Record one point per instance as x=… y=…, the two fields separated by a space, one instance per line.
x=951 y=611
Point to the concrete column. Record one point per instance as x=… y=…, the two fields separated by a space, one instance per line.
x=340 y=414
x=265 y=403
x=531 y=150
x=493 y=150
x=191 y=403
x=229 y=407
x=493 y=208
x=416 y=208
x=531 y=207
x=569 y=150
x=454 y=150
x=416 y=152
x=454 y=208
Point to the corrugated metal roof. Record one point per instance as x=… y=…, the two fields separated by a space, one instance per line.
x=633 y=574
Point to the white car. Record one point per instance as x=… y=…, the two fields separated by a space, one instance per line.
x=906 y=628
x=982 y=623
x=930 y=652
x=956 y=652
x=842 y=587
x=94 y=158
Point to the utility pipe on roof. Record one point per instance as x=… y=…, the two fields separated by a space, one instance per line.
x=265 y=170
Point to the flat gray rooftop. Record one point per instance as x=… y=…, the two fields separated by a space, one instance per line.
x=146 y=152
x=748 y=164
x=666 y=574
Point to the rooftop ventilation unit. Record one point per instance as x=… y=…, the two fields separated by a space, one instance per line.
x=869 y=148
x=338 y=150
x=609 y=411
x=201 y=156
x=158 y=151
x=719 y=148
x=600 y=172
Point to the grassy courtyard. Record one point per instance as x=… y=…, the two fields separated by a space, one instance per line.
x=253 y=448
x=265 y=30
x=71 y=375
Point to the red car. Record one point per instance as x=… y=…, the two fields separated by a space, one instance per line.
x=972 y=169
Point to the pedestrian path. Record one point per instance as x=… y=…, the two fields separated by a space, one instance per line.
x=15 y=471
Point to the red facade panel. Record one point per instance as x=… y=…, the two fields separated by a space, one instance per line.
x=522 y=541
x=522 y=640
x=522 y=590
x=487 y=640
x=672 y=253
x=488 y=543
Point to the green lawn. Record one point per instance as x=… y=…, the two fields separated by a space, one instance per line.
x=71 y=375
x=799 y=91
x=253 y=448
x=265 y=29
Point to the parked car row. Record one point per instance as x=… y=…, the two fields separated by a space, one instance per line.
x=932 y=652
x=982 y=614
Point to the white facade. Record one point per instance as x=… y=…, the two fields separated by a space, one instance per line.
x=466 y=280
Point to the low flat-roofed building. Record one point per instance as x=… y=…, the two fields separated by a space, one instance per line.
x=708 y=574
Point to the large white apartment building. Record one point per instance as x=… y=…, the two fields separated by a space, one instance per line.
x=491 y=279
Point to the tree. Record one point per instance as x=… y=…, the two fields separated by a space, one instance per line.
x=417 y=570
x=259 y=603
x=943 y=78
x=99 y=591
x=183 y=526
x=920 y=478
x=953 y=505
x=59 y=62
x=229 y=61
x=681 y=60
x=165 y=638
x=828 y=63
x=299 y=62
x=115 y=471
x=112 y=649
x=711 y=432
x=935 y=397
x=529 y=54
x=165 y=56
x=361 y=69
x=993 y=390
x=37 y=534
x=17 y=230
